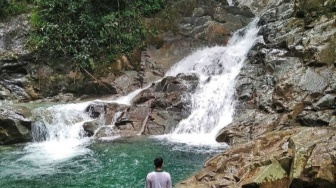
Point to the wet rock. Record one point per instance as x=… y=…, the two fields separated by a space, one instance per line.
x=127 y=82
x=111 y=120
x=106 y=133
x=96 y=110
x=91 y=127
x=61 y=97
x=216 y=26
x=14 y=125
x=108 y=112
x=158 y=109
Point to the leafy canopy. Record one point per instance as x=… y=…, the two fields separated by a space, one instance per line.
x=81 y=31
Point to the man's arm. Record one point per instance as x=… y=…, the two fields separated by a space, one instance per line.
x=148 y=183
x=169 y=182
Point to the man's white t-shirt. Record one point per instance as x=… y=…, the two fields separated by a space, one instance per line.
x=158 y=179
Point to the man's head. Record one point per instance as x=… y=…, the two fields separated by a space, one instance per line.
x=158 y=161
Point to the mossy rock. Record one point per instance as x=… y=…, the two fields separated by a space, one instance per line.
x=272 y=175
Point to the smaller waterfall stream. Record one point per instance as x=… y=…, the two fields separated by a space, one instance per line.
x=58 y=133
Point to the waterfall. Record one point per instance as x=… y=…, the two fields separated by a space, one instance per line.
x=63 y=121
x=39 y=131
x=212 y=104
x=58 y=131
x=127 y=98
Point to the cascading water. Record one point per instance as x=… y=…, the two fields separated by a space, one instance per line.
x=61 y=121
x=125 y=99
x=212 y=104
x=58 y=133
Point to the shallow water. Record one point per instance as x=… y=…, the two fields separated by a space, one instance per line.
x=121 y=163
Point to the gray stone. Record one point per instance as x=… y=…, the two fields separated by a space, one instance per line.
x=313 y=82
x=91 y=127
x=320 y=118
x=13 y=37
x=328 y=101
x=14 y=125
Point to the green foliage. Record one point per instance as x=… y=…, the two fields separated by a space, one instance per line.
x=81 y=31
x=13 y=7
x=149 y=7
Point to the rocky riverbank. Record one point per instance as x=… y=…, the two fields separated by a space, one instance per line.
x=284 y=129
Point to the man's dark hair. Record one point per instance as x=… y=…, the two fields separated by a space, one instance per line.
x=158 y=161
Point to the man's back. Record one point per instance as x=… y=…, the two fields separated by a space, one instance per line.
x=158 y=180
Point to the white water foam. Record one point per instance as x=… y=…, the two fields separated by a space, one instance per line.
x=124 y=99
x=212 y=104
x=127 y=99
x=63 y=137
x=59 y=134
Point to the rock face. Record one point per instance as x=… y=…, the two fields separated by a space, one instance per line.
x=14 y=125
x=286 y=103
x=299 y=157
x=14 y=58
x=286 y=80
x=191 y=24
x=154 y=111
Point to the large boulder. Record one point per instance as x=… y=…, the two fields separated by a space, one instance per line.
x=154 y=111
x=15 y=127
x=165 y=104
